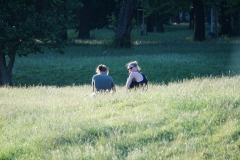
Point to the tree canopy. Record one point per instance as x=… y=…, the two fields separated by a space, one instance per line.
x=28 y=25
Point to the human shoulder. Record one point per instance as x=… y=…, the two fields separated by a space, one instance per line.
x=135 y=73
x=95 y=75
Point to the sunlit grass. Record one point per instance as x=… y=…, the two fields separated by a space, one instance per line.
x=189 y=111
x=194 y=119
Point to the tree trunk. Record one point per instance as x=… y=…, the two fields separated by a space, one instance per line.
x=85 y=20
x=5 y=77
x=160 y=24
x=150 y=23
x=216 y=21
x=6 y=71
x=183 y=17
x=191 y=19
x=124 y=24
x=199 y=21
x=226 y=27
x=236 y=23
x=64 y=35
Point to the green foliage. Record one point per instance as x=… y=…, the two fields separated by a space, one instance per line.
x=165 y=7
x=102 y=11
x=112 y=21
x=27 y=25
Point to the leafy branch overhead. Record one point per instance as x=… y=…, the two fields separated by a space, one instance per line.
x=28 y=25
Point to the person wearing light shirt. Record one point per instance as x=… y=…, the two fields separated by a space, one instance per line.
x=135 y=78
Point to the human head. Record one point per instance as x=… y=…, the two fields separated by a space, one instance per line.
x=134 y=65
x=102 y=69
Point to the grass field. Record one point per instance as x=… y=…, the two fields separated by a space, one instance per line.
x=190 y=110
x=167 y=57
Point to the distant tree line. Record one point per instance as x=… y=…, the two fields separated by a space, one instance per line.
x=157 y=14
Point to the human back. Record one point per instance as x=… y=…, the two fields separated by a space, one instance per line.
x=136 y=75
x=101 y=81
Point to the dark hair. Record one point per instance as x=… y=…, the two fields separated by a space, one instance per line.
x=101 y=68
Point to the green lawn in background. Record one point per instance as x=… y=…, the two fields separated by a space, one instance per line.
x=163 y=57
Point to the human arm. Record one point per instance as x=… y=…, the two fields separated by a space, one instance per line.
x=129 y=80
x=114 y=89
x=93 y=86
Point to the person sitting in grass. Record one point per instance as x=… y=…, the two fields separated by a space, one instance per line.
x=101 y=81
x=136 y=78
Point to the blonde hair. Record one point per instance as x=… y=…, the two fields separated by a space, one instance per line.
x=102 y=68
x=134 y=64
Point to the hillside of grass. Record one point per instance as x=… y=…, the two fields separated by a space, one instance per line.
x=190 y=110
x=193 y=119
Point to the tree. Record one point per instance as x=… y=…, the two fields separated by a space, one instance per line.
x=191 y=19
x=26 y=26
x=85 y=20
x=103 y=12
x=124 y=24
x=230 y=17
x=64 y=35
x=95 y=15
x=234 y=7
x=199 y=24
x=163 y=10
x=157 y=11
x=226 y=26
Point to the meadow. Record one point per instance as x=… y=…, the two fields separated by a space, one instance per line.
x=189 y=111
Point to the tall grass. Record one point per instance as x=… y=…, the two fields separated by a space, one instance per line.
x=189 y=111
x=193 y=119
